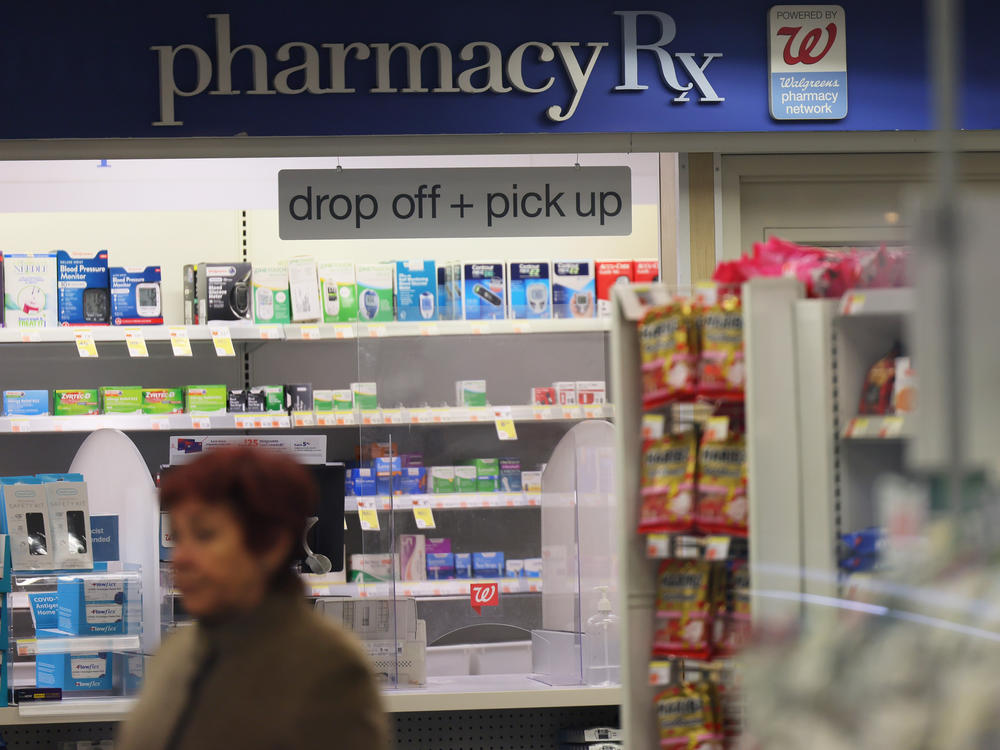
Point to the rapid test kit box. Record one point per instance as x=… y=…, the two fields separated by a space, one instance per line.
x=530 y=290
x=484 y=291
x=608 y=273
x=416 y=290
x=84 y=288
x=339 y=292
x=374 y=282
x=74 y=672
x=136 y=296
x=573 y=290
x=30 y=290
x=92 y=605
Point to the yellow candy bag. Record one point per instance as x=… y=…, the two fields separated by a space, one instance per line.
x=668 y=469
x=721 y=366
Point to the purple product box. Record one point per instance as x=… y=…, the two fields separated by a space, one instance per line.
x=438 y=545
x=412 y=460
x=510 y=475
x=440 y=566
x=463 y=565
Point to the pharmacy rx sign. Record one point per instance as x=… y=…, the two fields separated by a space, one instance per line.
x=808 y=62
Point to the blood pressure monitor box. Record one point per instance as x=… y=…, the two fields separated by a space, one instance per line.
x=573 y=290
x=84 y=288
x=416 y=290
x=30 y=290
x=530 y=290
x=484 y=291
x=92 y=605
x=136 y=296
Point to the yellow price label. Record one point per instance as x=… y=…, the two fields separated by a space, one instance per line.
x=504 y=422
x=85 y=345
x=423 y=514
x=311 y=333
x=179 y=341
x=136 y=342
x=368 y=515
x=716 y=429
x=223 y=341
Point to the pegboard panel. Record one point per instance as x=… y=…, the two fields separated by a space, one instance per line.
x=48 y=736
x=516 y=729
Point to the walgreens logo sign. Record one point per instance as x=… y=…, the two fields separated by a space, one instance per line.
x=808 y=62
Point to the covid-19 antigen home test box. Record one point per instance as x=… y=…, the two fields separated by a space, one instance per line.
x=135 y=296
x=30 y=293
x=92 y=605
x=416 y=290
x=84 y=288
x=74 y=673
x=484 y=291
x=573 y=291
x=530 y=289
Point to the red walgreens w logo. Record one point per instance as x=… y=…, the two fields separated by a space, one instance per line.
x=808 y=44
x=484 y=595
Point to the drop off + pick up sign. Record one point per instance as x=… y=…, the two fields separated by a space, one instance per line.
x=318 y=204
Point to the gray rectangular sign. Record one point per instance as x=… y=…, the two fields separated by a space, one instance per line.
x=320 y=204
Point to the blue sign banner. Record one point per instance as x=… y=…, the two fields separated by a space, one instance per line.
x=192 y=68
x=104 y=538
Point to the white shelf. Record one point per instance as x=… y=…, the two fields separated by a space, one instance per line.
x=317 y=586
x=451 y=501
x=890 y=427
x=77 y=644
x=873 y=302
x=189 y=422
x=311 y=331
x=468 y=693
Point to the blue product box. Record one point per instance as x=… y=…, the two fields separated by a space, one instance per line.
x=463 y=565
x=92 y=606
x=440 y=566
x=104 y=538
x=530 y=290
x=864 y=542
x=574 y=293
x=74 y=672
x=510 y=475
x=484 y=291
x=416 y=290
x=447 y=306
x=388 y=472
x=84 y=288
x=44 y=609
x=59 y=477
x=363 y=481
x=136 y=296
x=487 y=564
x=413 y=481
x=25 y=403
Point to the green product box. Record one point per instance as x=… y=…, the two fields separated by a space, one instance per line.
x=274 y=397
x=442 y=479
x=487 y=474
x=323 y=401
x=271 y=301
x=374 y=291
x=465 y=479
x=122 y=400
x=470 y=392
x=343 y=400
x=162 y=401
x=206 y=399
x=365 y=395
x=339 y=292
x=75 y=402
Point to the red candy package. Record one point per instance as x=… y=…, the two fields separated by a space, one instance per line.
x=685 y=605
x=668 y=466
x=876 y=393
x=722 y=487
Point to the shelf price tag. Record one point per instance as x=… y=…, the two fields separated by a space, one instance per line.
x=858 y=427
x=891 y=427
x=30 y=337
x=659 y=673
x=593 y=411
x=368 y=515
x=570 y=412
x=429 y=329
x=521 y=326
x=223 y=341
x=652 y=426
x=310 y=333
x=303 y=419
x=853 y=304
x=423 y=514
x=343 y=332
x=657 y=546
x=201 y=423
x=179 y=341
x=392 y=416
x=377 y=331
x=716 y=548
x=716 y=429
x=270 y=333
x=20 y=425
x=136 y=342
x=539 y=412
x=160 y=423
x=371 y=416
x=85 y=345
x=480 y=329
x=345 y=417
x=504 y=422
x=479 y=414
x=326 y=419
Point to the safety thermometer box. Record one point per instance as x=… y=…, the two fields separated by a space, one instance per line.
x=530 y=290
x=135 y=296
x=607 y=273
x=484 y=289
x=573 y=292
x=416 y=290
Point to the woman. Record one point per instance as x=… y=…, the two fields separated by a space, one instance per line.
x=259 y=669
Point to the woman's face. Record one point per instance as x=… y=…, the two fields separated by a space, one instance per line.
x=215 y=572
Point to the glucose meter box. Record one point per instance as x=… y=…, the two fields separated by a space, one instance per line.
x=374 y=291
x=608 y=273
x=303 y=284
x=573 y=292
x=645 y=271
x=339 y=292
x=136 y=298
x=416 y=290
x=30 y=292
x=224 y=291
x=530 y=290
x=484 y=291
x=449 y=290
x=271 y=302
x=84 y=288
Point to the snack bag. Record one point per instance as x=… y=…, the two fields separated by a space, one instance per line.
x=677 y=352
x=720 y=365
x=684 y=609
x=733 y=624
x=668 y=467
x=680 y=713
x=707 y=736
x=722 y=487
x=649 y=349
x=876 y=393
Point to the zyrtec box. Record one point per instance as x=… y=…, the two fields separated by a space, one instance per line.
x=607 y=273
x=84 y=288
